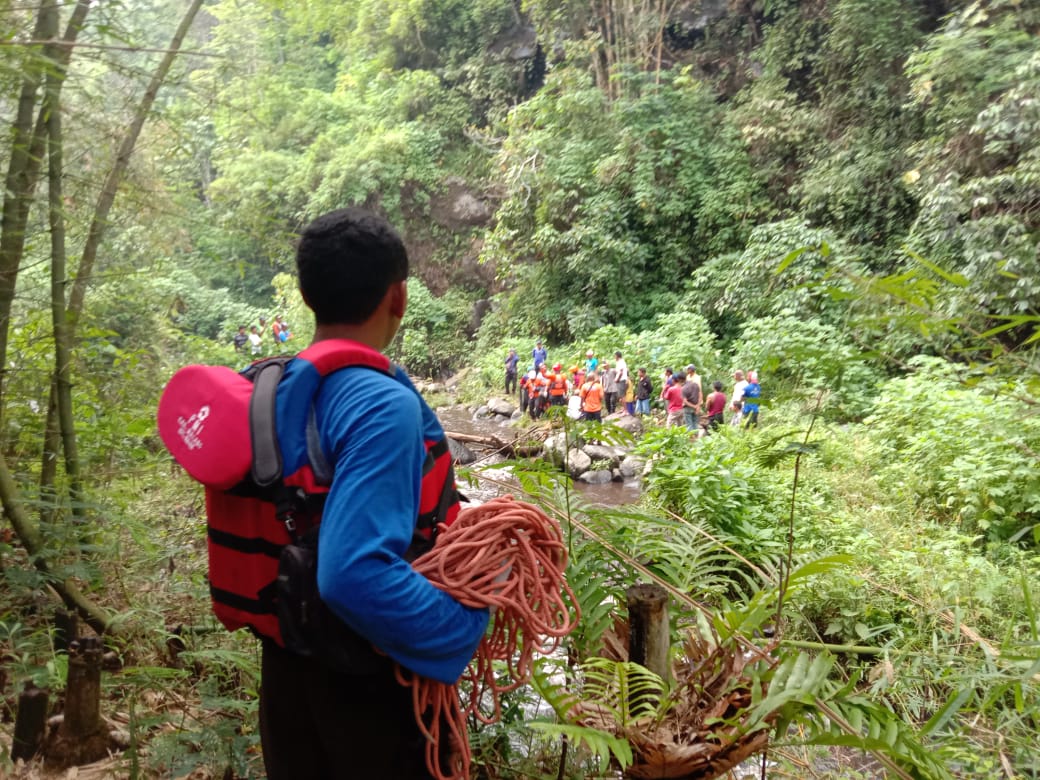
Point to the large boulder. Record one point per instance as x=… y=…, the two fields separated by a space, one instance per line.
x=598 y=477
x=578 y=463
x=632 y=466
x=600 y=452
x=554 y=448
x=460 y=453
x=501 y=406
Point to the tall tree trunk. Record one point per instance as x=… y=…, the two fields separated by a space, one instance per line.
x=19 y=185
x=22 y=175
x=59 y=320
x=59 y=405
x=23 y=169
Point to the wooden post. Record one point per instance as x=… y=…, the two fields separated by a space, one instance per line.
x=648 y=642
x=30 y=723
x=83 y=692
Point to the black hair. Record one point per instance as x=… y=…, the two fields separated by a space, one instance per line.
x=679 y=376
x=718 y=386
x=347 y=260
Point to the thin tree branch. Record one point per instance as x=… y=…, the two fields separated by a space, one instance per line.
x=111 y=47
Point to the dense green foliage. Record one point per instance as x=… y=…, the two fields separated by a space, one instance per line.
x=841 y=194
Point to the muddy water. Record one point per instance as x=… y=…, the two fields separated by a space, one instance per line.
x=461 y=420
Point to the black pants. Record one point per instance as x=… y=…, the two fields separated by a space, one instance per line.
x=318 y=724
x=510 y=382
x=611 y=397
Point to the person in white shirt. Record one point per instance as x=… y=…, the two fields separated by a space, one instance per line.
x=693 y=376
x=254 y=341
x=736 y=401
x=620 y=374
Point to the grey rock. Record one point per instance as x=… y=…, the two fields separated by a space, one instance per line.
x=616 y=475
x=600 y=452
x=501 y=406
x=630 y=423
x=632 y=466
x=468 y=210
x=598 y=477
x=554 y=448
x=578 y=463
x=460 y=453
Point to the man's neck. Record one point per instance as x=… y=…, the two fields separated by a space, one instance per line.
x=363 y=333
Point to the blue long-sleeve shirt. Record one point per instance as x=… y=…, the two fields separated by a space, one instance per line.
x=372 y=431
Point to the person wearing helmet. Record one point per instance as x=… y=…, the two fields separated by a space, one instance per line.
x=559 y=387
x=535 y=386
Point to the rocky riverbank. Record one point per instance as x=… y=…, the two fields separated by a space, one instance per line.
x=499 y=424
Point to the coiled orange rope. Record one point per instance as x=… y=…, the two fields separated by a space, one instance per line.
x=510 y=556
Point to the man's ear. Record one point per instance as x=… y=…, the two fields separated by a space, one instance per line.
x=398 y=293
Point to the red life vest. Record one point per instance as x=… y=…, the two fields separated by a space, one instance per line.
x=252 y=518
x=558 y=385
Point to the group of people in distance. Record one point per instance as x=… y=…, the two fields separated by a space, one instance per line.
x=588 y=389
x=687 y=404
x=280 y=334
x=595 y=387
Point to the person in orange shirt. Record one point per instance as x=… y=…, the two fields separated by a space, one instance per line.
x=592 y=398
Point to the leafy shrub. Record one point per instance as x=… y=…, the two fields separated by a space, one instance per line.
x=973 y=448
x=712 y=480
x=801 y=355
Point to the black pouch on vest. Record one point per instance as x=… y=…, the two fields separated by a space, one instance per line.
x=309 y=628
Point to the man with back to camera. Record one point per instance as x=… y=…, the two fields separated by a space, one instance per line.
x=316 y=722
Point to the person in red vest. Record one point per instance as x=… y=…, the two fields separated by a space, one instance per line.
x=535 y=386
x=559 y=387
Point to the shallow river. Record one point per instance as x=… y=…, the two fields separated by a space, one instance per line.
x=461 y=420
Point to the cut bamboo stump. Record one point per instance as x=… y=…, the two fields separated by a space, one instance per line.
x=83 y=693
x=83 y=737
x=648 y=642
x=30 y=723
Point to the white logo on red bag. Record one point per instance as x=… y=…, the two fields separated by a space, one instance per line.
x=190 y=429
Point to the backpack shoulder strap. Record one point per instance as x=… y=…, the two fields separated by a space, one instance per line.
x=267 y=455
x=323 y=358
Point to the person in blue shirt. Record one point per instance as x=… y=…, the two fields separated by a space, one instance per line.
x=511 y=360
x=539 y=355
x=752 y=392
x=316 y=721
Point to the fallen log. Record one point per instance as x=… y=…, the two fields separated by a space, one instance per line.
x=513 y=448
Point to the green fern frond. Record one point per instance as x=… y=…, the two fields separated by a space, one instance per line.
x=601 y=744
x=628 y=691
x=562 y=700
